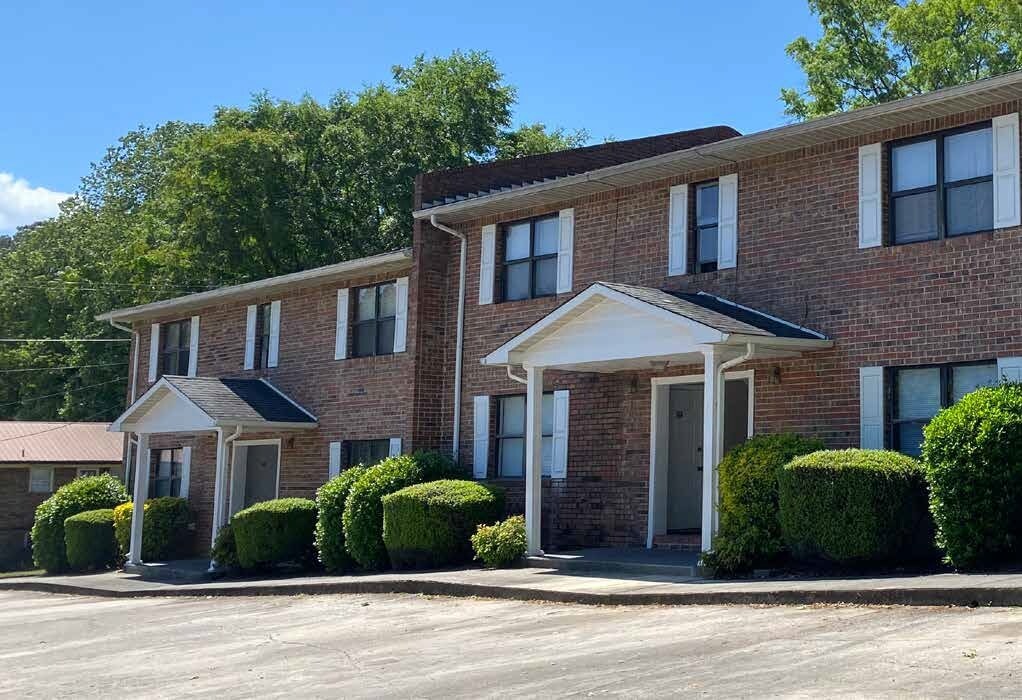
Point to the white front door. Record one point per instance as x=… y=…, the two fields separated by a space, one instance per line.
x=685 y=458
x=255 y=475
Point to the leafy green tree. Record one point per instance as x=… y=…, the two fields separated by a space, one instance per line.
x=873 y=51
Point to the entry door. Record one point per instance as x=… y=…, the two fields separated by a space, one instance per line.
x=254 y=476
x=685 y=458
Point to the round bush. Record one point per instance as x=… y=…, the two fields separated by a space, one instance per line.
x=78 y=496
x=89 y=540
x=972 y=454
x=225 y=549
x=430 y=525
x=275 y=532
x=330 y=500
x=855 y=507
x=750 y=530
x=363 y=509
x=166 y=528
x=501 y=545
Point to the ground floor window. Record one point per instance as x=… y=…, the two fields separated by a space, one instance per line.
x=40 y=480
x=92 y=471
x=366 y=451
x=511 y=435
x=165 y=470
x=919 y=393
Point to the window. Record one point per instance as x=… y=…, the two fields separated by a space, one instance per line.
x=921 y=392
x=175 y=341
x=262 y=350
x=40 y=480
x=530 y=258
x=942 y=185
x=366 y=451
x=707 y=218
x=92 y=471
x=375 y=312
x=165 y=472
x=511 y=435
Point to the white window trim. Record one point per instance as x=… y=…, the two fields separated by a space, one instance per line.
x=52 y=472
x=273 y=354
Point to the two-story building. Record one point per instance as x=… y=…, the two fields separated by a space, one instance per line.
x=594 y=328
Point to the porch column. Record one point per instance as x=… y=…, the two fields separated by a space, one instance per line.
x=219 y=479
x=712 y=391
x=533 y=457
x=141 y=491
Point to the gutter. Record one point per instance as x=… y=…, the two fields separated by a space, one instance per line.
x=456 y=434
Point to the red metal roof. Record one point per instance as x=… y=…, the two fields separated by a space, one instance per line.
x=50 y=443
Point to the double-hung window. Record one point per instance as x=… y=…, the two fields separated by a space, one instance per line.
x=40 y=480
x=707 y=230
x=262 y=351
x=921 y=392
x=375 y=314
x=175 y=347
x=942 y=185
x=165 y=469
x=511 y=435
x=530 y=258
x=366 y=452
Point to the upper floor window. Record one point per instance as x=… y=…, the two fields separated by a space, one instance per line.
x=530 y=258
x=942 y=185
x=262 y=351
x=511 y=435
x=175 y=344
x=375 y=314
x=707 y=219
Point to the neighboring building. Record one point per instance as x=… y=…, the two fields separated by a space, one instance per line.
x=658 y=300
x=35 y=459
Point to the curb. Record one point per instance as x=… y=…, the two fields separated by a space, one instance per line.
x=954 y=597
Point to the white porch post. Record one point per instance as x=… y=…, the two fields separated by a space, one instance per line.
x=218 y=486
x=712 y=392
x=141 y=491
x=533 y=457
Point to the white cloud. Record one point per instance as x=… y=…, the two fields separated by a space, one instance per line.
x=21 y=204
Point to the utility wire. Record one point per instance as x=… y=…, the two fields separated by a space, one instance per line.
x=54 y=369
x=65 y=340
x=62 y=393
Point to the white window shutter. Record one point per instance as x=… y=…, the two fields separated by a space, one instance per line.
x=341 y=337
x=565 y=250
x=273 y=353
x=401 y=315
x=193 y=347
x=677 y=231
x=250 y=336
x=871 y=408
x=154 y=351
x=186 y=470
x=1009 y=369
x=480 y=436
x=335 y=460
x=395 y=447
x=870 y=209
x=559 y=469
x=1006 y=172
x=487 y=263
x=727 y=222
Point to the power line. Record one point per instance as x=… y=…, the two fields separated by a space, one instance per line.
x=54 y=369
x=62 y=393
x=65 y=340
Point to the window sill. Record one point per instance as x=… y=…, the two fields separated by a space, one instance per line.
x=947 y=239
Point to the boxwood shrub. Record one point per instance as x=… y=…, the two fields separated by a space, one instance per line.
x=363 y=509
x=87 y=493
x=501 y=545
x=972 y=454
x=225 y=549
x=431 y=524
x=750 y=529
x=166 y=528
x=855 y=507
x=89 y=540
x=275 y=532
x=330 y=500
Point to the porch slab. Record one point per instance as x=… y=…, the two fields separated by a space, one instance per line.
x=182 y=570
x=633 y=561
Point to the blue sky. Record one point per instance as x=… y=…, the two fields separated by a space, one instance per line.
x=81 y=74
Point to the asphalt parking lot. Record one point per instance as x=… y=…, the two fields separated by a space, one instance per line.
x=409 y=646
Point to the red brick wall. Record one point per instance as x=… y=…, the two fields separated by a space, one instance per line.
x=17 y=505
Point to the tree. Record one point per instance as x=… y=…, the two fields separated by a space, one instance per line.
x=874 y=51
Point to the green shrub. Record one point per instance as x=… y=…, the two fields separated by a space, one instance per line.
x=430 y=525
x=276 y=532
x=855 y=507
x=501 y=545
x=972 y=454
x=89 y=540
x=78 y=496
x=330 y=500
x=166 y=528
x=363 y=509
x=750 y=531
x=225 y=549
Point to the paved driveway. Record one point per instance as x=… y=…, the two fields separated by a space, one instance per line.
x=369 y=646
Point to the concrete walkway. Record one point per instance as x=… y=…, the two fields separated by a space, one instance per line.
x=585 y=588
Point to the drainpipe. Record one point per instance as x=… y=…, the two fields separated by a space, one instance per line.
x=456 y=439
x=511 y=375
x=134 y=386
x=220 y=485
x=750 y=350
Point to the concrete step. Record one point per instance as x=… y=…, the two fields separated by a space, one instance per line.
x=678 y=543
x=181 y=571
x=632 y=565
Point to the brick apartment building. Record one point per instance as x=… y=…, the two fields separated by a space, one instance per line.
x=594 y=328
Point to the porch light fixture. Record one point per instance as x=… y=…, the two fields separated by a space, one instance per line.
x=775 y=374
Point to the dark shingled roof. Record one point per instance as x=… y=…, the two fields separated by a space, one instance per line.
x=242 y=400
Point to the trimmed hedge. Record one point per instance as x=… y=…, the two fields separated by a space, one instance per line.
x=275 y=532
x=430 y=525
x=501 y=545
x=972 y=454
x=855 y=507
x=750 y=530
x=87 y=493
x=89 y=540
x=225 y=549
x=330 y=500
x=166 y=527
x=363 y=509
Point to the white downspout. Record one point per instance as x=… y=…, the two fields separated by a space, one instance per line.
x=221 y=485
x=134 y=387
x=456 y=439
